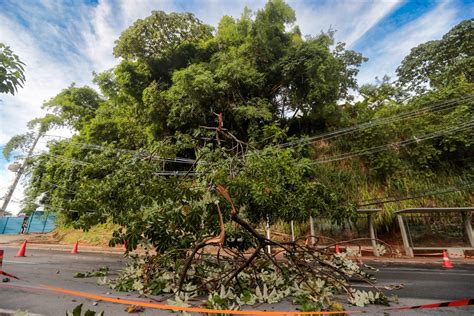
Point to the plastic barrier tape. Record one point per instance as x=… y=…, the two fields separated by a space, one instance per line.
x=188 y=309
x=458 y=303
x=464 y=302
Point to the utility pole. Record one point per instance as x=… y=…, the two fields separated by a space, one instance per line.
x=11 y=189
x=311 y=229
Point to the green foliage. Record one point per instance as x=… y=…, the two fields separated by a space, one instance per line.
x=77 y=311
x=440 y=63
x=176 y=76
x=382 y=92
x=424 y=155
x=277 y=184
x=270 y=85
x=11 y=71
x=101 y=272
x=263 y=282
x=73 y=107
x=17 y=142
x=160 y=34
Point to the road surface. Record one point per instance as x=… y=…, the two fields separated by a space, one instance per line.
x=423 y=284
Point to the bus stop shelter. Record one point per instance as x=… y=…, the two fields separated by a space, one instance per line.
x=464 y=225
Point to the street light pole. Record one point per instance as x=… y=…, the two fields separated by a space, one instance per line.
x=12 y=188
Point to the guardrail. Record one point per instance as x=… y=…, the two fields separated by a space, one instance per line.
x=372 y=233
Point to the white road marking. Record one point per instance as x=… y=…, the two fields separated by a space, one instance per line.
x=19 y=262
x=447 y=272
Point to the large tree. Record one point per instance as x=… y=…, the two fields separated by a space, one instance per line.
x=439 y=63
x=191 y=94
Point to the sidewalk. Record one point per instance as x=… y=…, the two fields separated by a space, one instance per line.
x=42 y=242
x=418 y=260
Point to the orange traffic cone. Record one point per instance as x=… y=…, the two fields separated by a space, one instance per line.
x=74 y=248
x=337 y=249
x=22 y=251
x=446 y=262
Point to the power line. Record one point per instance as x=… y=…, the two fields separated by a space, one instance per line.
x=444 y=105
x=84 y=163
x=177 y=173
x=379 y=148
x=385 y=120
x=77 y=161
x=138 y=153
x=355 y=128
x=391 y=199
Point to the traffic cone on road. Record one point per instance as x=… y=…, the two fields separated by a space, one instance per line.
x=446 y=262
x=337 y=249
x=74 y=248
x=22 y=251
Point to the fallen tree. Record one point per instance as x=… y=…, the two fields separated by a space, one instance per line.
x=228 y=277
x=232 y=266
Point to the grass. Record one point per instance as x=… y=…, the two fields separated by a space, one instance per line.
x=98 y=235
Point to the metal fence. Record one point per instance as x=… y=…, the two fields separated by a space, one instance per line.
x=37 y=222
x=11 y=225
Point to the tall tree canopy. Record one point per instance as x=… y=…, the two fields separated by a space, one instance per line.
x=441 y=62
x=160 y=34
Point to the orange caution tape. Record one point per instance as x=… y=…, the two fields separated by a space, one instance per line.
x=187 y=309
x=459 y=303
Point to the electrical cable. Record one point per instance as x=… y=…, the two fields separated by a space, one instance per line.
x=405 y=142
x=391 y=199
x=384 y=120
x=138 y=153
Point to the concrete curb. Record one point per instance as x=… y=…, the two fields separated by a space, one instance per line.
x=68 y=248
x=411 y=260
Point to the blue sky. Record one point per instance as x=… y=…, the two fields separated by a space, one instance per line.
x=65 y=41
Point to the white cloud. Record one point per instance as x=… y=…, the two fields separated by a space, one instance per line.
x=45 y=77
x=351 y=19
x=390 y=50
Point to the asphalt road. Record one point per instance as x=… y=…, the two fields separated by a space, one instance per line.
x=423 y=284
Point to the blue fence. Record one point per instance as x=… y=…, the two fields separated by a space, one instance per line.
x=11 y=225
x=37 y=222
x=41 y=223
